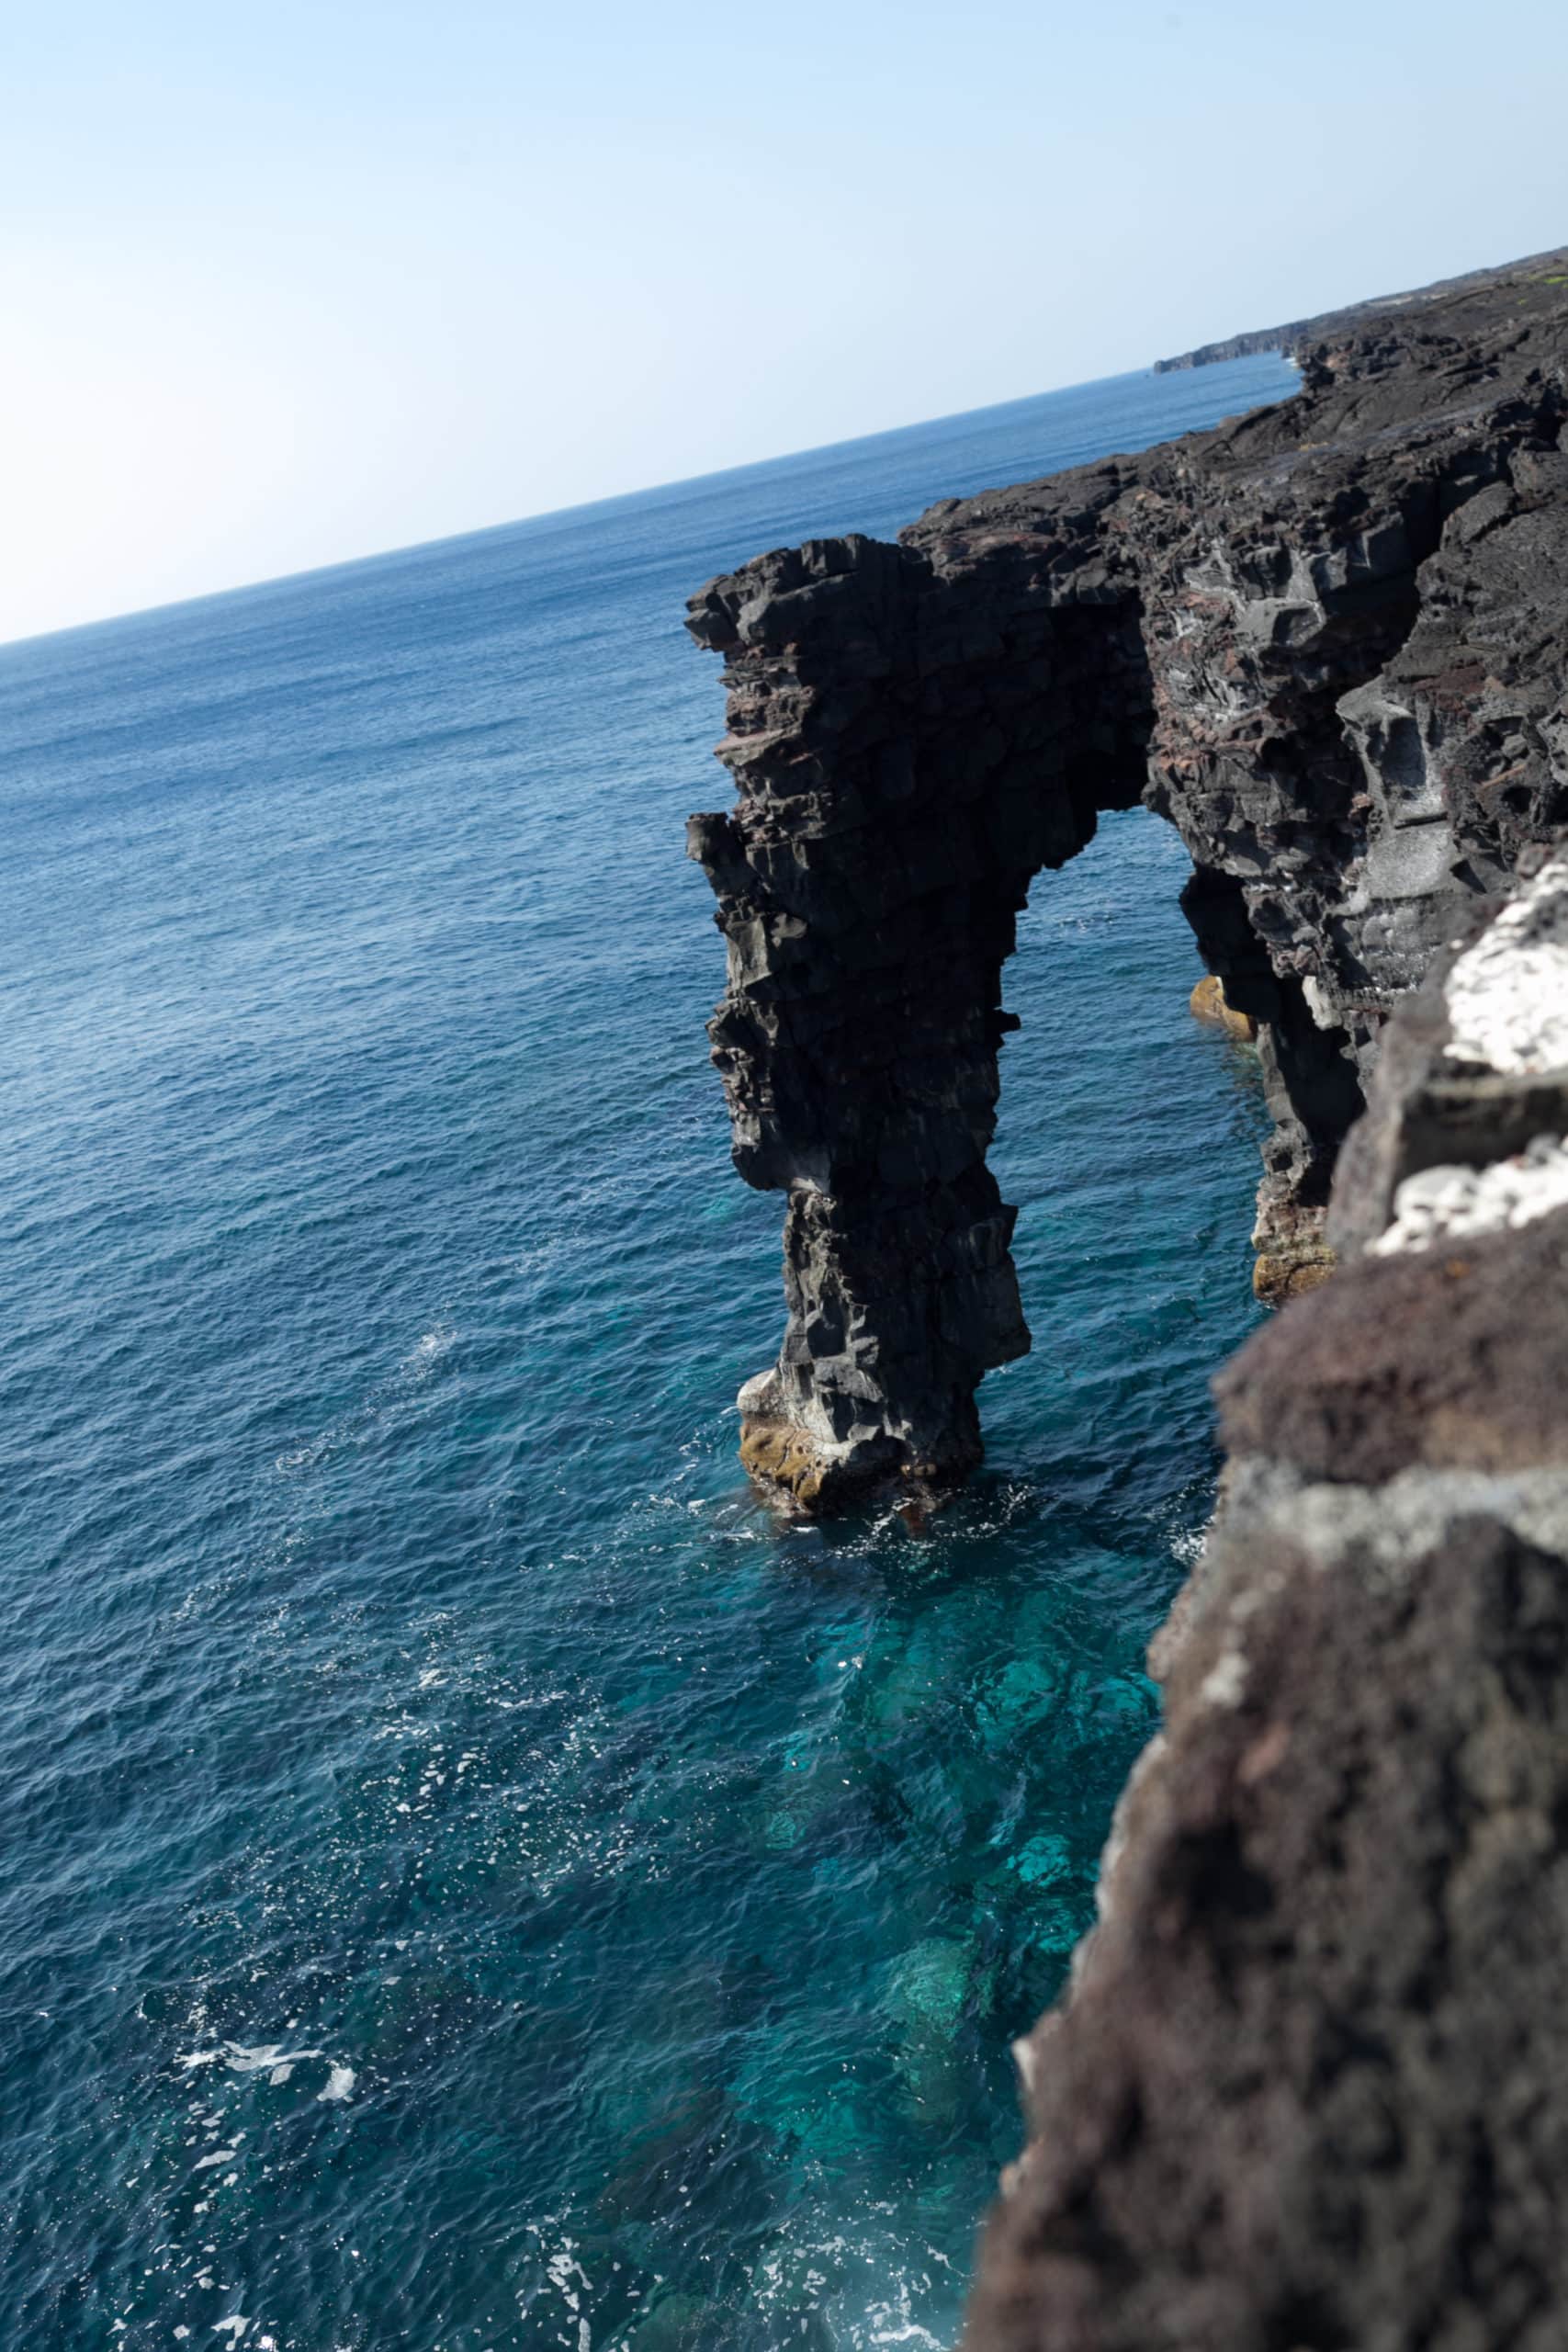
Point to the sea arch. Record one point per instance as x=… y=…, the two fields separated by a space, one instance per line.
x=915 y=732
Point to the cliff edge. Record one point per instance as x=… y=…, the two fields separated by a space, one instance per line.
x=1325 y=640
x=1307 y=2090
x=1337 y=326
x=1306 y=2087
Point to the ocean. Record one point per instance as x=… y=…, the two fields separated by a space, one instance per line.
x=473 y=1880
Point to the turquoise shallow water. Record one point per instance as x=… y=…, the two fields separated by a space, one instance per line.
x=470 y=1879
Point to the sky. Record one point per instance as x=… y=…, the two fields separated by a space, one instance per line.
x=281 y=285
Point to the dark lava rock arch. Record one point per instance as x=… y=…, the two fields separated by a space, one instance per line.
x=1305 y=637
x=905 y=769
x=1306 y=2087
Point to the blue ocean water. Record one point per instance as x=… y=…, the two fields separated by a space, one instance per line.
x=471 y=1880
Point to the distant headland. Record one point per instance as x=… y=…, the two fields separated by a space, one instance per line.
x=1332 y=326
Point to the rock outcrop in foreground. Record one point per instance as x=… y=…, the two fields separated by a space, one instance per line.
x=1309 y=2088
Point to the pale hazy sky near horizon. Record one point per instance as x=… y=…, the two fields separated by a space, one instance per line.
x=286 y=286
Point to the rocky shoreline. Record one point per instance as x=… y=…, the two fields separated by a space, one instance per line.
x=1337 y=326
x=1305 y=2090
x=1319 y=639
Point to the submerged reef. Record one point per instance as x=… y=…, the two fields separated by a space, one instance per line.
x=1306 y=2088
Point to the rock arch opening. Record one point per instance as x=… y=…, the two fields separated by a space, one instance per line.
x=1258 y=633
x=907 y=764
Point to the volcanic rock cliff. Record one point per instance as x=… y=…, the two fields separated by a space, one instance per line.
x=1325 y=640
x=1308 y=2091
x=1308 y=2088
x=1337 y=326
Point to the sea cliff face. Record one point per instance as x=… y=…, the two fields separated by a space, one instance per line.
x=1324 y=640
x=1339 y=326
x=1305 y=2090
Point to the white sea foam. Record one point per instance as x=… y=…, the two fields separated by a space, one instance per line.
x=863 y=2283
x=271 y=2059
x=263 y=2057
x=431 y=1348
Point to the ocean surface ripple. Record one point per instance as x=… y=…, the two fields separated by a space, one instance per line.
x=472 y=1881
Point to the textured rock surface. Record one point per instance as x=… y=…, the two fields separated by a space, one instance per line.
x=1306 y=2092
x=1308 y=2087
x=1325 y=640
x=1334 y=326
x=1209 y=1002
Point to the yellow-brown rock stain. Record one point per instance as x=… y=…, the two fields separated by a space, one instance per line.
x=780 y=1456
x=1207 y=1003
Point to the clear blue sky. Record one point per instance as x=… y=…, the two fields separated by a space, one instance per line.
x=291 y=283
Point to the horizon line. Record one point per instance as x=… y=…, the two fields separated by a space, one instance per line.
x=578 y=506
